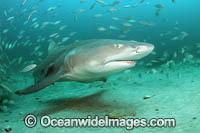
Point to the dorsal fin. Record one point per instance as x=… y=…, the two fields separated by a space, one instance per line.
x=52 y=46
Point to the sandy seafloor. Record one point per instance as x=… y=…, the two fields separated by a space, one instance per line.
x=176 y=96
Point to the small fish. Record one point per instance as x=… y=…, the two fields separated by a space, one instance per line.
x=182 y=50
x=189 y=56
x=28 y=68
x=113 y=9
x=93 y=5
x=113 y=27
x=125 y=30
x=37 y=48
x=51 y=9
x=101 y=29
x=115 y=18
x=10 y=18
x=175 y=38
x=57 y=22
x=97 y=16
x=45 y=23
x=29 y=16
x=24 y=2
x=65 y=39
x=114 y=3
x=5 y=13
x=127 y=24
x=100 y=2
x=20 y=60
x=141 y=1
x=174 y=1
x=83 y=1
x=62 y=27
x=127 y=6
x=78 y=11
x=132 y=21
x=72 y=33
x=36 y=26
x=183 y=34
x=5 y=31
x=53 y=35
x=175 y=55
x=34 y=19
x=157 y=13
x=148 y=97
x=159 y=6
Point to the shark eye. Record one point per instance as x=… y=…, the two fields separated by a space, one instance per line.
x=118 y=45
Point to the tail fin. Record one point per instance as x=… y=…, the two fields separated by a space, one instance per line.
x=40 y=85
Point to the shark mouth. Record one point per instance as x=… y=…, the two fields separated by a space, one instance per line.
x=125 y=62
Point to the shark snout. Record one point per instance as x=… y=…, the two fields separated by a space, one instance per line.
x=141 y=51
x=150 y=47
x=145 y=48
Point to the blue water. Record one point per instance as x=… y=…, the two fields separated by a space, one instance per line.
x=174 y=18
x=182 y=14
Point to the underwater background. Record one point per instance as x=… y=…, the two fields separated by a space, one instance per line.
x=165 y=84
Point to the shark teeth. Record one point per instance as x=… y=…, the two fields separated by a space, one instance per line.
x=130 y=62
x=125 y=61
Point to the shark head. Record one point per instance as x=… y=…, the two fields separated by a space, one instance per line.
x=102 y=58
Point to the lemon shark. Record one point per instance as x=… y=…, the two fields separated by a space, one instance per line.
x=87 y=61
